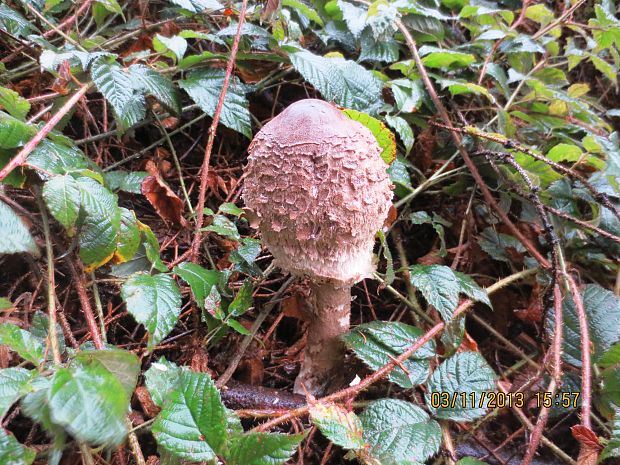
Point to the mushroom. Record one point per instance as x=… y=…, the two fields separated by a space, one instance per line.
x=319 y=190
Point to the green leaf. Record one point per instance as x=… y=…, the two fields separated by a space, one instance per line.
x=200 y=280
x=5 y=304
x=441 y=286
x=467 y=375
x=152 y=82
x=234 y=324
x=385 y=137
x=196 y=6
x=399 y=432
x=11 y=451
x=612 y=449
x=13 y=103
x=193 y=423
x=339 y=426
x=62 y=197
x=14 y=235
x=262 y=448
x=243 y=300
x=28 y=347
x=161 y=379
x=40 y=328
x=151 y=246
x=379 y=342
x=124 y=365
x=13 y=385
x=602 y=310
x=204 y=87
x=57 y=158
x=13 y=22
x=304 y=10
x=354 y=16
x=231 y=209
x=565 y=152
x=496 y=244
x=175 y=44
x=444 y=58
x=154 y=301
x=343 y=81
x=89 y=402
x=470 y=461
x=127 y=181
x=13 y=132
x=224 y=227
x=128 y=238
x=403 y=129
x=399 y=174
x=611 y=357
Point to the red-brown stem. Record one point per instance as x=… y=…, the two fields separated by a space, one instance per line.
x=204 y=172
x=328 y=312
x=466 y=158
x=85 y=302
x=586 y=375
x=20 y=158
x=543 y=416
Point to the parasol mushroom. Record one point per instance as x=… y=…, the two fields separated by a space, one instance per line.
x=320 y=192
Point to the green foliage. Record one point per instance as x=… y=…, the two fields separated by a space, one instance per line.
x=385 y=137
x=11 y=451
x=13 y=385
x=339 y=426
x=262 y=448
x=28 y=347
x=14 y=235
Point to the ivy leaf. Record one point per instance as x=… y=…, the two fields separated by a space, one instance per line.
x=343 y=81
x=262 y=448
x=464 y=376
x=156 y=84
x=89 y=402
x=385 y=137
x=13 y=103
x=441 y=286
x=204 y=87
x=14 y=235
x=200 y=280
x=161 y=379
x=28 y=347
x=339 y=426
x=193 y=424
x=399 y=432
x=11 y=451
x=379 y=342
x=154 y=301
x=62 y=197
x=602 y=309
x=13 y=384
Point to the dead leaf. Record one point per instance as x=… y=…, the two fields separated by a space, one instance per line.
x=149 y=407
x=291 y=307
x=166 y=203
x=590 y=445
x=200 y=361
x=270 y=7
x=425 y=143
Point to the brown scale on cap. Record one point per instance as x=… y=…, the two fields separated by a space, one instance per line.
x=320 y=190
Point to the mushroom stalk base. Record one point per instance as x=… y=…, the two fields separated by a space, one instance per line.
x=328 y=312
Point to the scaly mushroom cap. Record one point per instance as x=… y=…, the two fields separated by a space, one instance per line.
x=321 y=191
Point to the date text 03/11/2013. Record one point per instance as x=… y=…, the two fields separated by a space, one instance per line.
x=492 y=399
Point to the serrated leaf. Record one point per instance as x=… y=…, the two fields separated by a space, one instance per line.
x=441 y=286
x=13 y=385
x=385 y=137
x=444 y=58
x=399 y=432
x=161 y=379
x=193 y=424
x=40 y=328
x=13 y=103
x=200 y=280
x=13 y=132
x=602 y=309
x=127 y=181
x=23 y=342
x=151 y=247
x=124 y=365
x=151 y=82
x=89 y=402
x=14 y=235
x=57 y=158
x=13 y=22
x=154 y=301
x=612 y=449
x=403 y=129
x=175 y=44
x=343 y=81
x=63 y=198
x=304 y=10
x=11 y=451
x=379 y=342
x=399 y=174
x=204 y=87
x=262 y=448
x=354 y=16
x=224 y=227
x=128 y=237
x=464 y=376
x=339 y=426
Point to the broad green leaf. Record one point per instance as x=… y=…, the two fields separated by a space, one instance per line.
x=378 y=50
x=14 y=235
x=13 y=22
x=231 y=209
x=11 y=451
x=40 y=328
x=399 y=174
x=602 y=310
x=89 y=402
x=243 y=300
x=13 y=132
x=127 y=181
x=6 y=304
x=379 y=342
x=399 y=432
x=458 y=87
x=224 y=227
x=262 y=448
x=62 y=197
x=161 y=379
x=28 y=347
x=385 y=137
x=354 y=16
x=151 y=82
x=13 y=385
x=193 y=423
x=304 y=10
x=339 y=426
x=467 y=377
x=470 y=461
x=124 y=365
x=200 y=280
x=204 y=87
x=343 y=81
x=175 y=44
x=57 y=158
x=196 y=6
x=441 y=286
x=154 y=301
x=611 y=357
x=444 y=58
x=13 y=103
x=128 y=238
x=612 y=449
x=151 y=246
x=403 y=129
x=496 y=244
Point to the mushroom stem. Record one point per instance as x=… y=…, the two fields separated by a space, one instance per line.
x=328 y=312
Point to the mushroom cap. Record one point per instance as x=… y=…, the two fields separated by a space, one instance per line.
x=317 y=183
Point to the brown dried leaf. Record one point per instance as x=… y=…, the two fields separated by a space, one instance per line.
x=590 y=445
x=424 y=151
x=166 y=203
x=149 y=407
